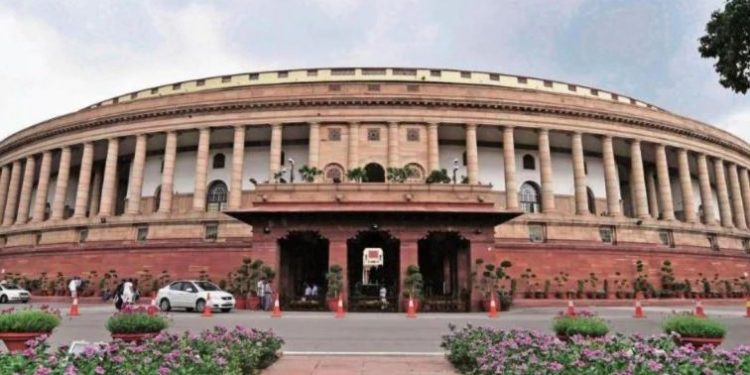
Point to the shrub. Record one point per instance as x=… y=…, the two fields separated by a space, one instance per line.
x=588 y=326
x=135 y=320
x=43 y=320
x=693 y=326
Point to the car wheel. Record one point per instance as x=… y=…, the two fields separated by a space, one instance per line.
x=200 y=305
x=3 y=299
x=164 y=305
x=226 y=310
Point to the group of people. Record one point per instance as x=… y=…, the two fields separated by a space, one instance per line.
x=125 y=293
x=265 y=293
x=311 y=292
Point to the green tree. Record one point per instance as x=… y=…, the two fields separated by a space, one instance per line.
x=728 y=40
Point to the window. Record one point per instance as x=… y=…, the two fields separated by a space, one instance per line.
x=548 y=84
x=373 y=87
x=607 y=234
x=37 y=238
x=666 y=238
x=226 y=79
x=465 y=74
x=115 y=100
x=282 y=74
x=615 y=97
x=745 y=245
x=83 y=235
x=342 y=72
x=595 y=92
x=435 y=73
x=200 y=82
x=404 y=72
x=529 y=197
x=521 y=80
x=632 y=101
x=219 y=161
x=176 y=86
x=253 y=76
x=134 y=95
x=333 y=173
x=494 y=77
x=537 y=232
x=529 y=162
x=713 y=242
x=412 y=135
x=416 y=173
x=373 y=72
x=373 y=134
x=216 y=198
x=312 y=73
x=334 y=134
x=154 y=91
x=572 y=88
x=211 y=232
x=141 y=233
x=412 y=88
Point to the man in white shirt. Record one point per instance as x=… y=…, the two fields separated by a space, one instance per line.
x=73 y=286
x=260 y=288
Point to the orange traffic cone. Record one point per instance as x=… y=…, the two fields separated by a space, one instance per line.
x=638 y=310
x=152 y=309
x=493 y=308
x=74 y=308
x=340 y=308
x=571 y=311
x=411 y=312
x=276 y=308
x=699 y=309
x=207 y=308
x=747 y=308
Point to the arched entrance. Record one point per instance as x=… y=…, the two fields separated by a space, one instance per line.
x=375 y=173
x=444 y=262
x=303 y=262
x=365 y=287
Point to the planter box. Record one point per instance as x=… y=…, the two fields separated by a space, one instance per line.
x=699 y=342
x=16 y=341
x=134 y=337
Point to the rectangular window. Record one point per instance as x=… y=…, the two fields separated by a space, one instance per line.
x=334 y=134
x=412 y=135
x=547 y=83
x=83 y=235
x=342 y=72
x=572 y=88
x=713 y=242
x=115 y=100
x=435 y=73
x=537 y=232
x=666 y=237
x=253 y=76
x=494 y=77
x=154 y=91
x=226 y=79
x=211 y=232
x=176 y=86
x=615 y=97
x=607 y=234
x=373 y=72
x=134 y=95
x=200 y=82
x=404 y=72
x=373 y=134
x=465 y=74
x=312 y=73
x=373 y=87
x=141 y=233
x=522 y=80
x=595 y=92
x=282 y=74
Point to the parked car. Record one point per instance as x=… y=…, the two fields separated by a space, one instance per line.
x=192 y=295
x=12 y=293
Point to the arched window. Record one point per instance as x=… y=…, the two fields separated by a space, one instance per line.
x=529 y=162
x=219 y=161
x=216 y=198
x=591 y=200
x=375 y=172
x=333 y=173
x=529 y=197
x=416 y=173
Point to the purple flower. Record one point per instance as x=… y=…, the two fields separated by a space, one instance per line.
x=163 y=370
x=654 y=366
x=71 y=370
x=99 y=370
x=42 y=371
x=555 y=366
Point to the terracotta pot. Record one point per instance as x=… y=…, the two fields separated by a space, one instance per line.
x=16 y=341
x=134 y=337
x=252 y=303
x=333 y=304
x=405 y=304
x=699 y=342
x=240 y=303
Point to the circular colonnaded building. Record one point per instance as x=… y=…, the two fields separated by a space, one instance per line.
x=558 y=178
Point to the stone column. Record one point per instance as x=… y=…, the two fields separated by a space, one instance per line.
x=653 y=200
x=704 y=182
x=686 y=185
x=40 y=202
x=433 y=148
x=61 y=185
x=745 y=187
x=725 y=211
x=665 y=189
x=238 y=163
x=472 y=156
x=136 y=178
x=4 y=181
x=201 y=169
x=639 y=183
x=106 y=207
x=167 y=177
x=393 y=157
x=96 y=192
x=579 y=175
x=11 y=203
x=274 y=165
x=545 y=172
x=353 y=145
x=313 y=148
x=26 y=186
x=509 y=161
x=84 y=181
x=738 y=209
x=611 y=179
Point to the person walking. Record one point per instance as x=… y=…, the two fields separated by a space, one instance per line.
x=260 y=291
x=73 y=287
x=128 y=293
x=268 y=290
x=118 y=295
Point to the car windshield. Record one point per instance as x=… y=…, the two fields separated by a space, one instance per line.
x=205 y=285
x=10 y=287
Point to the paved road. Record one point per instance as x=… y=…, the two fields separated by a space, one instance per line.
x=387 y=333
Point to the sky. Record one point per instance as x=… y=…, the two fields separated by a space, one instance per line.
x=60 y=56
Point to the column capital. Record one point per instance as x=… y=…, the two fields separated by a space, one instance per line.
x=433 y=124
x=277 y=125
x=634 y=141
x=470 y=126
x=542 y=131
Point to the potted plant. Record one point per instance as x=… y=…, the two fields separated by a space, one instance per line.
x=134 y=324
x=245 y=283
x=413 y=286
x=335 y=280
x=489 y=282
x=309 y=174
x=438 y=177
x=694 y=330
x=18 y=327
x=357 y=175
x=584 y=324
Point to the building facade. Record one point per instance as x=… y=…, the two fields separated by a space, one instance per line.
x=194 y=176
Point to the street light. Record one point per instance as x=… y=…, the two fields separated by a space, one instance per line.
x=291 y=171
x=455 y=169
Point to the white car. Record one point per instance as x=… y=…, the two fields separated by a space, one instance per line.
x=193 y=295
x=12 y=293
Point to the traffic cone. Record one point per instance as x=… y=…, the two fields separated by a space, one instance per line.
x=411 y=312
x=74 y=308
x=571 y=311
x=747 y=308
x=207 y=308
x=340 y=308
x=152 y=309
x=276 y=308
x=493 y=308
x=638 y=310
x=699 y=309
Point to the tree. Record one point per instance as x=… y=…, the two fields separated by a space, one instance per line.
x=728 y=39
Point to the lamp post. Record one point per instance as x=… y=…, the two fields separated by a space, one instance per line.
x=291 y=171
x=455 y=169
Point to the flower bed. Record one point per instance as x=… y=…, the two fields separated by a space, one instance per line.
x=484 y=351
x=218 y=351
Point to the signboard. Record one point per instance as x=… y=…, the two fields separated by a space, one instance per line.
x=372 y=256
